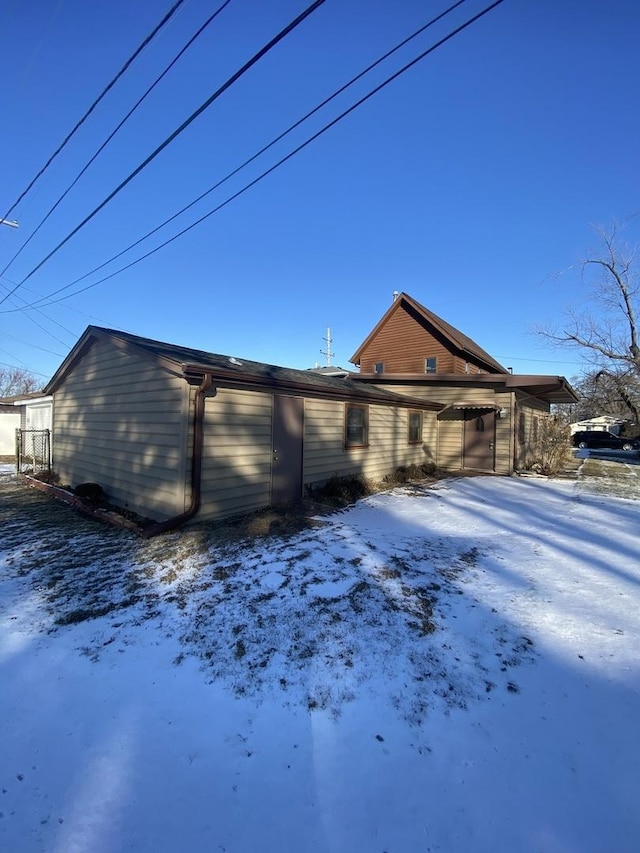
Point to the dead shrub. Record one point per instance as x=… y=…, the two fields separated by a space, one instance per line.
x=341 y=491
x=552 y=451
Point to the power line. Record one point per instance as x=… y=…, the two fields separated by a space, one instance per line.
x=265 y=148
x=537 y=360
x=280 y=162
x=34 y=346
x=109 y=86
x=115 y=131
x=23 y=366
x=34 y=53
x=234 y=77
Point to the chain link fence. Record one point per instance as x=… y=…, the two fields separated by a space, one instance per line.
x=33 y=451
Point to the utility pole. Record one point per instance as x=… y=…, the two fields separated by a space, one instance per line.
x=10 y=222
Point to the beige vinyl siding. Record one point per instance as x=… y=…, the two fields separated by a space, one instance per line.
x=236 y=465
x=119 y=420
x=325 y=454
x=450 y=455
x=532 y=411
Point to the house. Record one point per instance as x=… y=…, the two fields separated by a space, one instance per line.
x=602 y=422
x=490 y=419
x=173 y=433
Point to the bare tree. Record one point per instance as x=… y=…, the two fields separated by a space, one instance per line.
x=17 y=380
x=608 y=333
x=604 y=393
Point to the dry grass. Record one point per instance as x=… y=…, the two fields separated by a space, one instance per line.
x=604 y=477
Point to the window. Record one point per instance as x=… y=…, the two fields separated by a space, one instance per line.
x=480 y=424
x=378 y=367
x=415 y=427
x=356 y=426
x=521 y=428
x=535 y=429
x=430 y=364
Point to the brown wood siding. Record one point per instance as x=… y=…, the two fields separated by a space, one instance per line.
x=236 y=466
x=403 y=344
x=325 y=454
x=119 y=421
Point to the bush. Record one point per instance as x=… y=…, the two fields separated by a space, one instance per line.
x=343 y=490
x=407 y=473
x=552 y=451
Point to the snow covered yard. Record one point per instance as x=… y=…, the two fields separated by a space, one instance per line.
x=452 y=668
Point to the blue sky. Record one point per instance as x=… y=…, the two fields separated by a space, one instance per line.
x=469 y=182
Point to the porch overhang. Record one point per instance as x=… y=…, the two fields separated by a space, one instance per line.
x=474 y=405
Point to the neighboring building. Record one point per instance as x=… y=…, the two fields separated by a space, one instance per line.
x=602 y=422
x=491 y=418
x=36 y=410
x=171 y=432
x=22 y=411
x=9 y=423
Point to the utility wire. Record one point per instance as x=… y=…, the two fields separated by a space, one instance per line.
x=234 y=77
x=21 y=367
x=114 y=132
x=14 y=300
x=280 y=162
x=265 y=148
x=109 y=86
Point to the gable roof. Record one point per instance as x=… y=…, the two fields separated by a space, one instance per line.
x=456 y=339
x=231 y=372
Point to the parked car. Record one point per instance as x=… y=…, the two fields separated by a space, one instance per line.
x=598 y=439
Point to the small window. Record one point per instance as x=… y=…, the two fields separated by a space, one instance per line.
x=480 y=424
x=521 y=428
x=356 y=426
x=415 y=427
x=535 y=429
x=430 y=364
x=378 y=367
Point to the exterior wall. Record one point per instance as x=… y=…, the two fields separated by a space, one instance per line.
x=236 y=465
x=237 y=460
x=38 y=415
x=120 y=421
x=403 y=343
x=450 y=443
x=529 y=419
x=9 y=423
x=325 y=454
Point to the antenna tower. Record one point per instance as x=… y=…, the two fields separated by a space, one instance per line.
x=327 y=353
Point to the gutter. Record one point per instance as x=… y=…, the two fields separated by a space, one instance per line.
x=196 y=465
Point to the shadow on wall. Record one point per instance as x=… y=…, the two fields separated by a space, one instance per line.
x=138 y=449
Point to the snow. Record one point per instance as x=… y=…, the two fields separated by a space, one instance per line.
x=450 y=668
